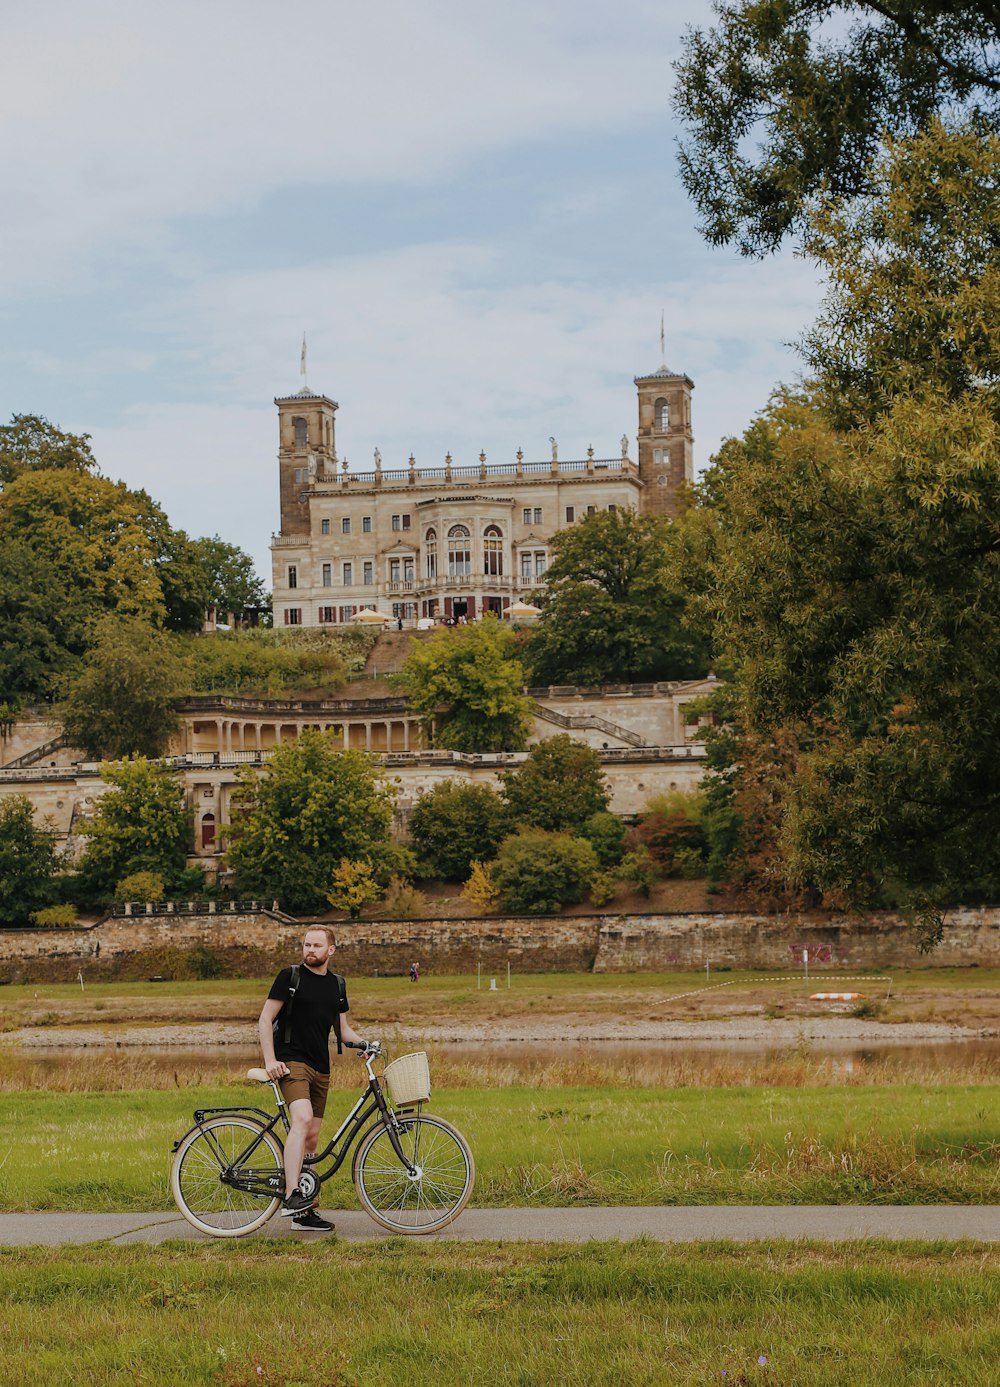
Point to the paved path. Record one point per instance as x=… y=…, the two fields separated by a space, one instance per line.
x=828 y=1223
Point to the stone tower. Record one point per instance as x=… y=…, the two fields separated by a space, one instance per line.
x=665 y=441
x=306 y=449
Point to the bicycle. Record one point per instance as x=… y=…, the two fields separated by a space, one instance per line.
x=413 y=1173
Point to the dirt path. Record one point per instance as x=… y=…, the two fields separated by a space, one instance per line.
x=751 y=1031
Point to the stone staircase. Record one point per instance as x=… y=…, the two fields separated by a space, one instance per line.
x=569 y=721
x=388 y=654
x=36 y=754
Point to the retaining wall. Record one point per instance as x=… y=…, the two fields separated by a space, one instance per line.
x=253 y=944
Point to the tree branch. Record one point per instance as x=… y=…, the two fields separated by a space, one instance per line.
x=918 y=36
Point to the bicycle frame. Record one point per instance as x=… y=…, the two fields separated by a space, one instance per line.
x=370 y=1102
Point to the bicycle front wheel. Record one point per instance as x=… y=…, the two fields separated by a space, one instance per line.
x=233 y=1206
x=435 y=1194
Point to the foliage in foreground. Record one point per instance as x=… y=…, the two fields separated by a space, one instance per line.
x=488 y=1315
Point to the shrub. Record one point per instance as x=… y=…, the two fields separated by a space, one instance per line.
x=665 y=835
x=204 y=962
x=605 y=832
x=481 y=890
x=403 y=901
x=538 y=872
x=54 y=915
x=558 y=786
x=140 y=886
x=639 y=869
x=353 y=886
x=603 y=888
x=453 y=824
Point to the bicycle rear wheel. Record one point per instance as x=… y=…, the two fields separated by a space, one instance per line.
x=428 y=1200
x=210 y=1204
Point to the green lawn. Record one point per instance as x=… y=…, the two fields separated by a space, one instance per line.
x=560 y=1146
x=488 y=1315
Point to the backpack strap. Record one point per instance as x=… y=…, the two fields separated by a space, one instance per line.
x=341 y=998
x=293 y=987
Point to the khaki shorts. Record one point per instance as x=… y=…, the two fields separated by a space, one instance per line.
x=302 y=1081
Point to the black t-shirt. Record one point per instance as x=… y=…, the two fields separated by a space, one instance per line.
x=317 y=1001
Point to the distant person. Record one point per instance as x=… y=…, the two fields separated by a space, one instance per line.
x=301 y=1064
x=399 y=623
x=414 y=972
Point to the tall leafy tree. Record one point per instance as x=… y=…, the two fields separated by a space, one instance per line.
x=233 y=586
x=294 y=822
x=120 y=700
x=615 y=606
x=558 y=786
x=141 y=824
x=28 y=861
x=29 y=443
x=788 y=100
x=466 y=682
x=453 y=825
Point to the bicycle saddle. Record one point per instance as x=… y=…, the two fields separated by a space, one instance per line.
x=259 y=1076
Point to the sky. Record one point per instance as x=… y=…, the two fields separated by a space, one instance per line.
x=472 y=212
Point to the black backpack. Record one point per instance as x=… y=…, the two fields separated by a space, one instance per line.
x=284 y=1029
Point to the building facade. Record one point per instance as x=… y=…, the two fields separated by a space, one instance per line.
x=456 y=541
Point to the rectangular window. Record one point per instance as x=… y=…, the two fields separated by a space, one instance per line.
x=397 y=610
x=328 y=575
x=406 y=522
x=525 y=566
x=591 y=510
x=397 y=522
x=348 y=575
x=657 y=456
x=293 y=576
x=408 y=573
x=526 y=515
x=537 y=515
x=570 y=515
x=431 y=565
x=346 y=613
x=293 y=616
x=612 y=508
x=368 y=572
x=326 y=614
x=394 y=567
x=366 y=524
x=299 y=473
x=541 y=563
x=325 y=526
x=345 y=525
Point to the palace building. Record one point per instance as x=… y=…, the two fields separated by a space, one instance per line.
x=458 y=540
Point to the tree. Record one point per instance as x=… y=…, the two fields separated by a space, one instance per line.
x=786 y=101
x=453 y=824
x=139 y=825
x=614 y=608
x=481 y=890
x=121 y=699
x=42 y=619
x=913 y=297
x=606 y=835
x=28 y=862
x=559 y=785
x=537 y=873
x=295 y=820
x=353 y=886
x=233 y=586
x=466 y=684
x=29 y=443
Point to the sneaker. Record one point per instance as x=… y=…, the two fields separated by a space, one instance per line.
x=296 y=1203
x=313 y=1222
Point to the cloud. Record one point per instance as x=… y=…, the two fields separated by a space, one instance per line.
x=141 y=115
x=428 y=350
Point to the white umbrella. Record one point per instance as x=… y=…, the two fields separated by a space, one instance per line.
x=369 y=616
x=524 y=609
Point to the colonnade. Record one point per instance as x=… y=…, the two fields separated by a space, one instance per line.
x=230 y=736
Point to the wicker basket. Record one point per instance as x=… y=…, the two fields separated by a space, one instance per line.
x=408 y=1080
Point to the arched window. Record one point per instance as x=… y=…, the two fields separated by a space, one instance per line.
x=459 y=552
x=207 y=832
x=430 y=554
x=492 y=550
x=662 y=416
x=301 y=434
